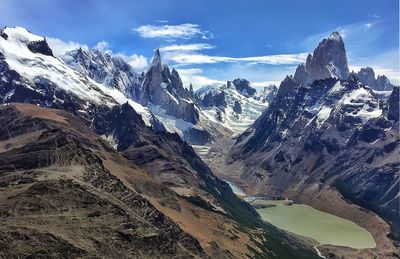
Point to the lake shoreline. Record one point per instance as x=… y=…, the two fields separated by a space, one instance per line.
x=322 y=248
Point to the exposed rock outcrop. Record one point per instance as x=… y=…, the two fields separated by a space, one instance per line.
x=242 y=86
x=329 y=59
x=367 y=77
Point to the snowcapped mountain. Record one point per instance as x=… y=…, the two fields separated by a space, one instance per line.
x=324 y=135
x=106 y=69
x=235 y=105
x=30 y=73
x=159 y=89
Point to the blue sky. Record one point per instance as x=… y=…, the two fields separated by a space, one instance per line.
x=214 y=41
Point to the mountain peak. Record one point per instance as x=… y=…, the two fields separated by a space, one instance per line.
x=335 y=36
x=243 y=87
x=367 y=77
x=156 y=58
x=329 y=59
x=20 y=34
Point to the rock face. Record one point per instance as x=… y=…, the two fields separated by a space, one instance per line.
x=41 y=47
x=393 y=104
x=367 y=77
x=301 y=76
x=383 y=83
x=243 y=87
x=327 y=134
x=328 y=60
x=164 y=88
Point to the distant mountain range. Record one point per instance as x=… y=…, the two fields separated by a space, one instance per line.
x=88 y=170
x=97 y=160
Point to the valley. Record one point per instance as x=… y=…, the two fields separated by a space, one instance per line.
x=305 y=169
x=323 y=219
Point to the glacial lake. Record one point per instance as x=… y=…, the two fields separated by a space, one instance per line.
x=304 y=220
x=325 y=228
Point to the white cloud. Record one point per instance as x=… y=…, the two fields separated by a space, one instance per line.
x=60 y=47
x=264 y=83
x=102 y=45
x=183 y=58
x=187 y=47
x=195 y=77
x=138 y=62
x=181 y=31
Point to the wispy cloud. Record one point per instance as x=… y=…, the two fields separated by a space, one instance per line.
x=138 y=62
x=180 y=31
x=60 y=47
x=264 y=83
x=102 y=45
x=386 y=63
x=195 y=77
x=187 y=47
x=183 y=58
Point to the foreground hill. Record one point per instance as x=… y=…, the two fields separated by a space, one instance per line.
x=65 y=192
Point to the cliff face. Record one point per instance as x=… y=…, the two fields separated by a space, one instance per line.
x=380 y=83
x=329 y=59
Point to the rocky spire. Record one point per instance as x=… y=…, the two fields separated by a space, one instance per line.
x=329 y=59
x=367 y=77
x=301 y=76
x=156 y=62
x=191 y=90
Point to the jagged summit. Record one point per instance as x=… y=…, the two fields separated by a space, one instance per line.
x=156 y=61
x=242 y=86
x=335 y=36
x=329 y=59
x=367 y=76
